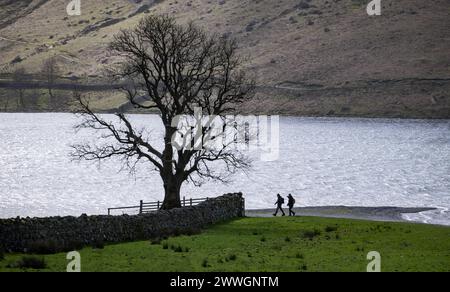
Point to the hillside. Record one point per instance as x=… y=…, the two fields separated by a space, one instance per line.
x=311 y=57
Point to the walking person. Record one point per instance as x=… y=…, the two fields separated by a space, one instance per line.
x=291 y=204
x=279 y=203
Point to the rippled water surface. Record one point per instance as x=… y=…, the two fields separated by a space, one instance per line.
x=359 y=162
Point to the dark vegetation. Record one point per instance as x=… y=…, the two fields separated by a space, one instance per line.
x=29 y=262
x=27 y=92
x=53 y=246
x=310 y=234
x=50 y=246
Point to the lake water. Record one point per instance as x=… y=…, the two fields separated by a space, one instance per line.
x=323 y=161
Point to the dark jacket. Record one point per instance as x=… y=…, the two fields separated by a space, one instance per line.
x=291 y=201
x=280 y=201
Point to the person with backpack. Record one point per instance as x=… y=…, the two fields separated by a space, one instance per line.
x=279 y=203
x=291 y=204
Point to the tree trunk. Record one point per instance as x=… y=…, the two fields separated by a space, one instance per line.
x=52 y=101
x=172 y=197
x=22 y=101
x=172 y=183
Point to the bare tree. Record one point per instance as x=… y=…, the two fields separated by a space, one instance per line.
x=173 y=69
x=50 y=71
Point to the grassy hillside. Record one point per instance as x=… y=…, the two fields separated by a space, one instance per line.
x=273 y=244
x=311 y=57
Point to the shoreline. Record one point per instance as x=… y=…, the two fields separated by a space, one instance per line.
x=377 y=117
x=384 y=214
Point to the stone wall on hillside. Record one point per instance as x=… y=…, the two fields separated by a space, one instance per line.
x=65 y=233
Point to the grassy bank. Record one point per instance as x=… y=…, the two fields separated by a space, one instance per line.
x=273 y=244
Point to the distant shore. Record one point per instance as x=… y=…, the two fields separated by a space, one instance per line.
x=391 y=214
x=335 y=116
x=404 y=98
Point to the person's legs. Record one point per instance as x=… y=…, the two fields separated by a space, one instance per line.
x=281 y=209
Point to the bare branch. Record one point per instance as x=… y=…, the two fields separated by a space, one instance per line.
x=173 y=69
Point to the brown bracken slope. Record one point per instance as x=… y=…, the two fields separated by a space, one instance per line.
x=310 y=57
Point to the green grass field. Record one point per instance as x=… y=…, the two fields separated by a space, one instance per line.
x=273 y=244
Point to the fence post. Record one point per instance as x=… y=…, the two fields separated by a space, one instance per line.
x=191 y=202
x=158 y=205
x=184 y=201
x=109 y=211
x=141 y=206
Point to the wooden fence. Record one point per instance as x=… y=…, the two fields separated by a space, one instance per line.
x=144 y=208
